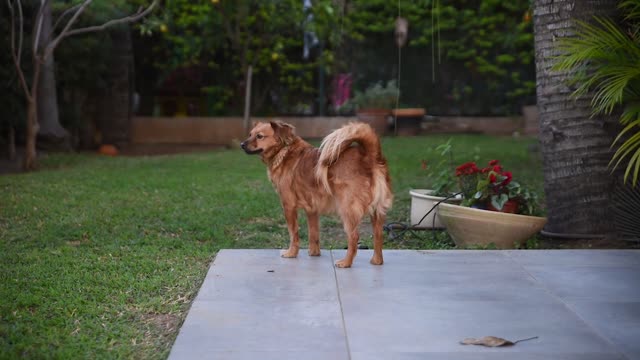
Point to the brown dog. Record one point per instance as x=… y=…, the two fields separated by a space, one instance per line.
x=340 y=176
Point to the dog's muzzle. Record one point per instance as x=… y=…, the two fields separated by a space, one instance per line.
x=243 y=145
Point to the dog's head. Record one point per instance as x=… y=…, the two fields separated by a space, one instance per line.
x=268 y=138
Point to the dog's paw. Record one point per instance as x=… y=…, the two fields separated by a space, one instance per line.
x=376 y=260
x=314 y=252
x=289 y=253
x=344 y=263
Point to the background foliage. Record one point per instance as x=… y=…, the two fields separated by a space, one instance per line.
x=463 y=57
x=216 y=41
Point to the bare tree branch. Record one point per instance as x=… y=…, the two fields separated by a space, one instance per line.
x=21 y=33
x=65 y=13
x=127 y=19
x=52 y=44
x=16 y=53
x=38 y=25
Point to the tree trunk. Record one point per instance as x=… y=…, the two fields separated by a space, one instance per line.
x=51 y=133
x=575 y=146
x=12 y=142
x=30 y=155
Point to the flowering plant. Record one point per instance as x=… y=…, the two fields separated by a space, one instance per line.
x=493 y=188
x=440 y=177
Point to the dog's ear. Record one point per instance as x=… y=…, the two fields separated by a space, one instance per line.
x=283 y=131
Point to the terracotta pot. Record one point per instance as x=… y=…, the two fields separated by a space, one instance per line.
x=377 y=118
x=411 y=112
x=108 y=150
x=468 y=226
x=511 y=207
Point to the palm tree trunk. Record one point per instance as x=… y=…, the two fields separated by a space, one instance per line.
x=575 y=146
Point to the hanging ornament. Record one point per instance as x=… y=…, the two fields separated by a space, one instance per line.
x=402 y=31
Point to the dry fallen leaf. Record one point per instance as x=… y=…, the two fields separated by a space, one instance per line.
x=490 y=341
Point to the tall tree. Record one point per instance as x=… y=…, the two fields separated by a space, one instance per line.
x=575 y=146
x=42 y=48
x=50 y=129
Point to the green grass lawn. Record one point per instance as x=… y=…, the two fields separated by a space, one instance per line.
x=101 y=257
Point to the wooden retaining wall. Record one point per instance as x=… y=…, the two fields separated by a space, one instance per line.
x=225 y=130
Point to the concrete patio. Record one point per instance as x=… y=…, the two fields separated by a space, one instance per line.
x=582 y=304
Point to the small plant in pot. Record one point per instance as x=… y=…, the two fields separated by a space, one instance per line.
x=441 y=186
x=496 y=210
x=373 y=106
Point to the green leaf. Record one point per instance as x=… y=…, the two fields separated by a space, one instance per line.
x=498 y=201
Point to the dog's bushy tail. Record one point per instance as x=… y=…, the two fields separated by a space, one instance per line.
x=338 y=141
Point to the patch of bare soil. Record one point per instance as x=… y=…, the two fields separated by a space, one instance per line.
x=165 y=323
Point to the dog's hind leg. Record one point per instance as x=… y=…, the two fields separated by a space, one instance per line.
x=313 y=221
x=291 y=215
x=351 y=228
x=377 y=222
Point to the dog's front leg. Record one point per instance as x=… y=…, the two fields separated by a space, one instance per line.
x=291 y=215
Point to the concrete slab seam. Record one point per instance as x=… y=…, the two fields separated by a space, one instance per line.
x=344 y=324
x=566 y=305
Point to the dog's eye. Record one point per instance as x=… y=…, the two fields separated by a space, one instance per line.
x=259 y=136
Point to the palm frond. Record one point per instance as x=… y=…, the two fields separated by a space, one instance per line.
x=631 y=8
x=634 y=163
x=620 y=155
x=631 y=113
x=631 y=147
x=613 y=80
x=626 y=209
x=605 y=59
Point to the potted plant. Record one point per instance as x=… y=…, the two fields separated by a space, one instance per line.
x=373 y=106
x=492 y=188
x=442 y=186
x=495 y=210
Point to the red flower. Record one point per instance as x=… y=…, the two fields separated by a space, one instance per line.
x=493 y=162
x=492 y=178
x=468 y=168
x=497 y=168
x=508 y=176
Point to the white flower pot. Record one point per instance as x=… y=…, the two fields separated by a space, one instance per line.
x=421 y=203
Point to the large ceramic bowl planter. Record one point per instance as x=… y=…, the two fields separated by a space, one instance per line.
x=421 y=203
x=475 y=227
